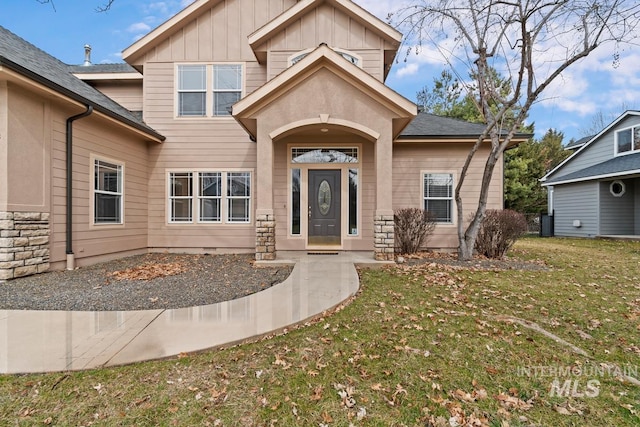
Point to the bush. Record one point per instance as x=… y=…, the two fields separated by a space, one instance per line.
x=499 y=231
x=413 y=226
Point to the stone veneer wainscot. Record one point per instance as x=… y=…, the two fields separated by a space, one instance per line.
x=384 y=245
x=24 y=244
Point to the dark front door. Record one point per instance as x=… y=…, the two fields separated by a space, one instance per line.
x=324 y=207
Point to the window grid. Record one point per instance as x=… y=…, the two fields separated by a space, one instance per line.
x=107 y=188
x=438 y=196
x=192 y=90
x=223 y=83
x=208 y=193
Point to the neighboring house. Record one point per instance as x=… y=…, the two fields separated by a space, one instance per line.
x=596 y=191
x=574 y=145
x=236 y=126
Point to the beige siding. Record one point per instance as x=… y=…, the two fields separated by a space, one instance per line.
x=411 y=159
x=220 y=33
x=372 y=61
x=37 y=173
x=27 y=151
x=192 y=144
x=281 y=192
x=126 y=93
x=327 y=24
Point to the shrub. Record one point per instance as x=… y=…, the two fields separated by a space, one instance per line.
x=413 y=226
x=499 y=231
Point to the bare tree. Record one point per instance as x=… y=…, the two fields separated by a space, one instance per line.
x=531 y=42
x=105 y=7
x=601 y=120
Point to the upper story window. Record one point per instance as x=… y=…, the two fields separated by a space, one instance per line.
x=349 y=56
x=195 y=82
x=628 y=140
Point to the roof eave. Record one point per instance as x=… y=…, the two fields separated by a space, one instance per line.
x=592 y=178
x=260 y=36
x=131 y=53
x=4 y=62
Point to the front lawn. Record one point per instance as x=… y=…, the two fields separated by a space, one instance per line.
x=426 y=345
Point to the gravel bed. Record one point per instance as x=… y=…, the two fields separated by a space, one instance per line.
x=131 y=284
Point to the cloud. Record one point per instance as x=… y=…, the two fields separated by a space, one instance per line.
x=139 y=27
x=408 y=70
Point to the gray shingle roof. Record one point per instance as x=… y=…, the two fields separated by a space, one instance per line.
x=102 y=68
x=617 y=166
x=431 y=126
x=579 y=143
x=24 y=58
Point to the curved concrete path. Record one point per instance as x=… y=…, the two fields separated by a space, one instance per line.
x=46 y=341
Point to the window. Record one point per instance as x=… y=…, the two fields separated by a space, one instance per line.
x=353 y=202
x=210 y=196
x=216 y=197
x=192 y=90
x=224 y=86
x=438 y=196
x=181 y=196
x=227 y=88
x=295 y=202
x=107 y=194
x=238 y=196
x=628 y=140
x=324 y=155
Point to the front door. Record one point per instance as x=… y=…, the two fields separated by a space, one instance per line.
x=324 y=207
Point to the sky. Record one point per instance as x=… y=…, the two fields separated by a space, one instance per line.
x=62 y=28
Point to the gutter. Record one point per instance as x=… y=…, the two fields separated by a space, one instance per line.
x=69 y=233
x=79 y=98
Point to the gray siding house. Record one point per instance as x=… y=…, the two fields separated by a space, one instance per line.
x=596 y=191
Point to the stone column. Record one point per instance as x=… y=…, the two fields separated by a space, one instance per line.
x=265 y=236
x=383 y=225
x=265 y=218
x=24 y=244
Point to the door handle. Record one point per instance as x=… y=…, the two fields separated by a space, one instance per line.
x=309 y=212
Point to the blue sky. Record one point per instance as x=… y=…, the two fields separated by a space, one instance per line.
x=590 y=87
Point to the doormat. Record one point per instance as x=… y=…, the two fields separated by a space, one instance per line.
x=322 y=253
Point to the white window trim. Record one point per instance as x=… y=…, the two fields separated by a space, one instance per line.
x=615 y=141
x=92 y=212
x=304 y=184
x=454 y=176
x=209 y=107
x=195 y=197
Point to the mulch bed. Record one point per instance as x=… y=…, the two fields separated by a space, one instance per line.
x=143 y=282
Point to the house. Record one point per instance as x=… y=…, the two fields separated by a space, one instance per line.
x=235 y=126
x=596 y=191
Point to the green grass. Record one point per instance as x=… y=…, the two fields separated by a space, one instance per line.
x=418 y=346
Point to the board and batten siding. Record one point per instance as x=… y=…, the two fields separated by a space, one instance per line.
x=218 y=34
x=617 y=214
x=579 y=202
x=410 y=160
x=328 y=24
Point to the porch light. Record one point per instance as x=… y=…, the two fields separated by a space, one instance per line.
x=324 y=130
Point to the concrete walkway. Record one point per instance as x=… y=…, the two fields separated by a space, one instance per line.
x=46 y=341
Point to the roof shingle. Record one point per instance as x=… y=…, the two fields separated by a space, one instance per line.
x=26 y=59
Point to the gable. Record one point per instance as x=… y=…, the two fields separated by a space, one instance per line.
x=337 y=68
x=339 y=23
x=600 y=149
x=207 y=30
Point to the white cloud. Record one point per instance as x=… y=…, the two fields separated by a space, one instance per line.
x=408 y=70
x=139 y=27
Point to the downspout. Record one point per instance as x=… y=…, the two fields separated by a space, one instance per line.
x=70 y=120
